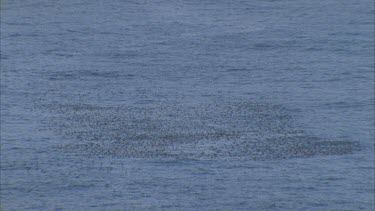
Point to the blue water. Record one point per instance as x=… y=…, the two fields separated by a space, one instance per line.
x=187 y=105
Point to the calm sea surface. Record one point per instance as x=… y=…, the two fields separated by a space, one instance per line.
x=187 y=105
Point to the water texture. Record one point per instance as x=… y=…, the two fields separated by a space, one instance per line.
x=187 y=105
x=241 y=130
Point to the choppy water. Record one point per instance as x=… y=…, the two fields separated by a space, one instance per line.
x=187 y=105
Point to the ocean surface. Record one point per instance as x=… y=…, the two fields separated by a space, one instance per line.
x=187 y=105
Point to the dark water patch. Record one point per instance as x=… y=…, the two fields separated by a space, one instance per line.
x=17 y=23
x=314 y=48
x=61 y=53
x=3 y=56
x=238 y=70
x=61 y=76
x=274 y=44
x=232 y=130
x=102 y=74
x=264 y=46
x=347 y=105
x=18 y=35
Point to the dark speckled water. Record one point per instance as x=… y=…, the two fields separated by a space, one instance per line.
x=187 y=105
